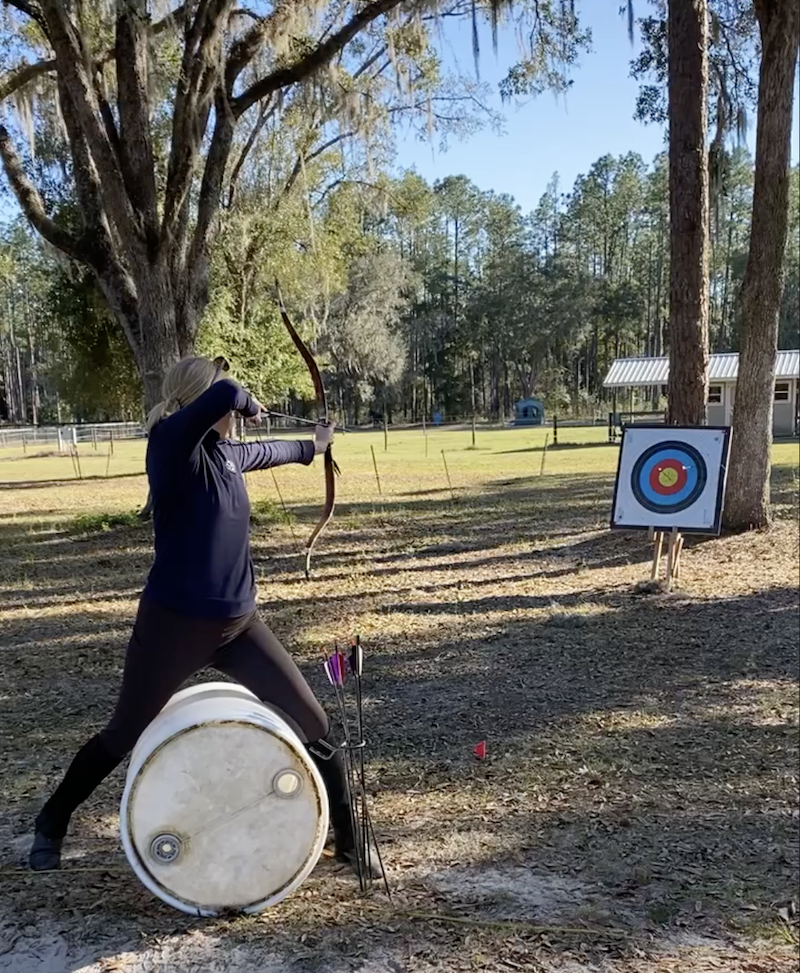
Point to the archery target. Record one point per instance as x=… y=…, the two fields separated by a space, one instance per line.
x=671 y=477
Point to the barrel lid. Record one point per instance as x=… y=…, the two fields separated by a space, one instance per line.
x=224 y=816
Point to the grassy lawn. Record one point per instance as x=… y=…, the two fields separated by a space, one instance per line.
x=639 y=797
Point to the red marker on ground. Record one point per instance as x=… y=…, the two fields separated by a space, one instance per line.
x=480 y=750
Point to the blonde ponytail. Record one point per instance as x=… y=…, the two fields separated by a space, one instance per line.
x=184 y=382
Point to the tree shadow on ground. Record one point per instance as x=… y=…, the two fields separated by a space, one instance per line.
x=641 y=744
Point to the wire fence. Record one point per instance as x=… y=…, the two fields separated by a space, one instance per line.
x=66 y=436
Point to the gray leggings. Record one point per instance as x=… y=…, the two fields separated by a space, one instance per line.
x=164 y=651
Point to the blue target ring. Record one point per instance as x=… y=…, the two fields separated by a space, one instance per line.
x=668 y=477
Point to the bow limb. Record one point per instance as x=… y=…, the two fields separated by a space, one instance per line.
x=322 y=412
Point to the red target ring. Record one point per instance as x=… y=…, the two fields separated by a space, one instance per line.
x=668 y=476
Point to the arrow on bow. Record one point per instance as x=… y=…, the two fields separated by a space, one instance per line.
x=322 y=412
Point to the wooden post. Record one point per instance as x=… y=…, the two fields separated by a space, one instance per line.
x=473 y=431
x=108 y=461
x=544 y=454
x=375 y=467
x=94 y=437
x=111 y=441
x=385 y=432
x=425 y=433
x=60 y=441
x=24 y=444
x=555 y=430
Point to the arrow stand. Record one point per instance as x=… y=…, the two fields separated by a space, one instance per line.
x=369 y=860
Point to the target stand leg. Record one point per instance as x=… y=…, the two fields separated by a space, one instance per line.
x=673 y=553
x=676 y=573
x=658 y=538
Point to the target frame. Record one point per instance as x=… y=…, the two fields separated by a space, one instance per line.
x=685 y=463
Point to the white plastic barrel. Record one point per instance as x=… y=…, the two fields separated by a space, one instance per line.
x=223 y=810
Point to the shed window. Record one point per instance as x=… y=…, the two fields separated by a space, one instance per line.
x=715 y=395
x=782 y=392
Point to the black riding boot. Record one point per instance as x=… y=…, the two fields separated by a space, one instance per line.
x=90 y=766
x=334 y=776
x=330 y=765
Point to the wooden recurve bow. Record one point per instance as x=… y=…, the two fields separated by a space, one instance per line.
x=331 y=469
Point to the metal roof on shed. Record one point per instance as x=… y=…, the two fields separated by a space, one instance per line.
x=633 y=372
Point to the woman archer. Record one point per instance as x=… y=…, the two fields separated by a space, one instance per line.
x=198 y=607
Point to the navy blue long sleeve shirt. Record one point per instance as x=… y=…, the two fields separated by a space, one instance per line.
x=201 y=511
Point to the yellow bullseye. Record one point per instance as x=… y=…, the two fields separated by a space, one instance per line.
x=668 y=477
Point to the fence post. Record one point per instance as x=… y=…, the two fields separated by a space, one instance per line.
x=60 y=441
x=555 y=430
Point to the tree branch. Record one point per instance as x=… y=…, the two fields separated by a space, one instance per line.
x=87 y=184
x=201 y=67
x=74 y=67
x=32 y=204
x=316 y=59
x=246 y=48
x=264 y=115
x=195 y=284
x=133 y=104
x=18 y=77
x=29 y=10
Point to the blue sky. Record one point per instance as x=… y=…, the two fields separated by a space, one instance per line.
x=548 y=135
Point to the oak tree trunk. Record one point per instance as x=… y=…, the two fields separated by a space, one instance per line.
x=747 y=502
x=688 y=202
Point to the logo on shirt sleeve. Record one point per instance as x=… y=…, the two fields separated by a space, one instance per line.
x=230 y=465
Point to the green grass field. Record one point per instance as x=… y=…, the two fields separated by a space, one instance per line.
x=412 y=462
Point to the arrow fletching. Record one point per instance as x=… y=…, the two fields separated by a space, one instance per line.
x=356 y=658
x=329 y=671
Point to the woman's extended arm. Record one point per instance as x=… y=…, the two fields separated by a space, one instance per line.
x=187 y=427
x=260 y=456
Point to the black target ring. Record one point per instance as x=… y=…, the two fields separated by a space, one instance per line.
x=669 y=477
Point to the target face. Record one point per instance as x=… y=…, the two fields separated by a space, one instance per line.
x=669 y=477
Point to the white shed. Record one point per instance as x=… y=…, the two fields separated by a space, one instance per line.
x=627 y=373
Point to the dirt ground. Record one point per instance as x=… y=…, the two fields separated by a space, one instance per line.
x=637 y=811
